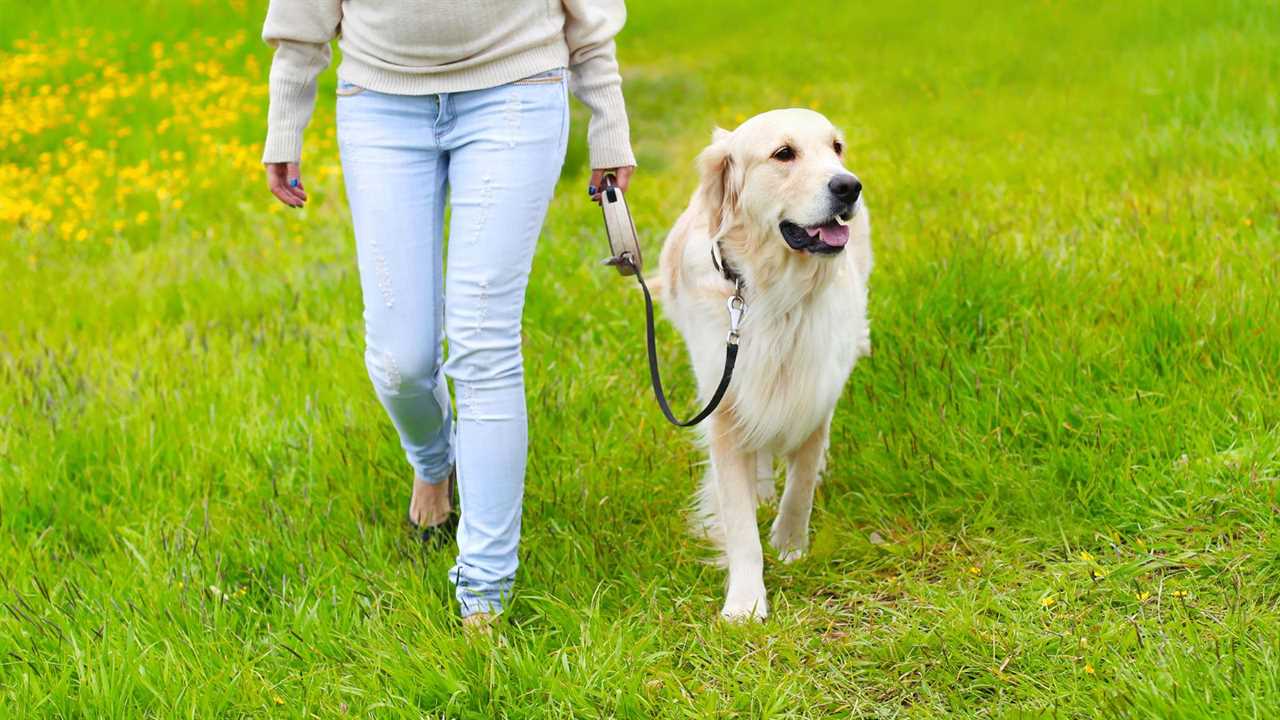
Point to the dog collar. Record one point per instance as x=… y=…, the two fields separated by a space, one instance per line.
x=722 y=266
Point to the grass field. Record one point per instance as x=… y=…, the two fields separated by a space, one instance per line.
x=1054 y=490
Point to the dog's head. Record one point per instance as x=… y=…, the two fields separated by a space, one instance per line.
x=781 y=176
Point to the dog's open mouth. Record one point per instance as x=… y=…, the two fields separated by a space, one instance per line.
x=824 y=238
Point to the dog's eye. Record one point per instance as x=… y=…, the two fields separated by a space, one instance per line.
x=784 y=153
x=838 y=147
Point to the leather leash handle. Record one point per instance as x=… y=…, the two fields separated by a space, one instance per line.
x=624 y=244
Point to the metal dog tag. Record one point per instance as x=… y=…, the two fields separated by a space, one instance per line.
x=623 y=242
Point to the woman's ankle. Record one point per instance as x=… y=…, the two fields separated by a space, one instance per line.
x=431 y=503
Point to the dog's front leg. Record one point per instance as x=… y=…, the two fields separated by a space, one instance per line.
x=790 y=535
x=735 y=478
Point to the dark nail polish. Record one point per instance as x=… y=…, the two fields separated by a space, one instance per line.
x=591 y=189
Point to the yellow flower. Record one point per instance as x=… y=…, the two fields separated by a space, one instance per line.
x=1179 y=593
x=1088 y=668
x=1085 y=556
x=278 y=700
x=1143 y=596
x=1048 y=601
x=975 y=570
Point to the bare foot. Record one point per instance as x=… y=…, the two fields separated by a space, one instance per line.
x=431 y=503
x=479 y=623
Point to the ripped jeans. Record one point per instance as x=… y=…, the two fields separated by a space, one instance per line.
x=498 y=152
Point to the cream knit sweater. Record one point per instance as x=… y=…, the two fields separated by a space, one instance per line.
x=420 y=47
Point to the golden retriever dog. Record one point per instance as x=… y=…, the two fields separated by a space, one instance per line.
x=778 y=212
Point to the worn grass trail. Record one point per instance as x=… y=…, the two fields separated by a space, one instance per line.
x=1053 y=490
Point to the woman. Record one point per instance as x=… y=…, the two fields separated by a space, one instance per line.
x=468 y=98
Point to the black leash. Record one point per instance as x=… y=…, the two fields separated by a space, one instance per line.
x=736 y=308
x=624 y=246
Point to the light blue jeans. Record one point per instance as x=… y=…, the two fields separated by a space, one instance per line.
x=498 y=153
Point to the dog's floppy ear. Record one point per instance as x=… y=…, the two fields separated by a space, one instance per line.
x=719 y=188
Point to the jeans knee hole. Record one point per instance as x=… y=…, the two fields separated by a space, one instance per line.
x=384 y=370
x=382 y=272
x=486 y=202
x=483 y=314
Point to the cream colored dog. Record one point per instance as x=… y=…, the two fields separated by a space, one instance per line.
x=788 y=219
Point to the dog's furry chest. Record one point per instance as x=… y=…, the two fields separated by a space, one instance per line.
x=793 y=365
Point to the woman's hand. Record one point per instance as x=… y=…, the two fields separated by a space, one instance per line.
x=285 y=182
x=621 y=176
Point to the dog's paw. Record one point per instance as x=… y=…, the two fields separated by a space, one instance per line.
x=743 y=604
x=790 y=540
x=735 y=614
x=789 y=556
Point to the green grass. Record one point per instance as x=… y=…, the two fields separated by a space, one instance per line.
x=1054 y=490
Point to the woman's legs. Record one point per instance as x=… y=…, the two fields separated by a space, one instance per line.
x=500 y=151
x=395 y=173
x=507 y=146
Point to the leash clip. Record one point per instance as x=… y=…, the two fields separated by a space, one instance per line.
x=622 y=261
x=737 y=308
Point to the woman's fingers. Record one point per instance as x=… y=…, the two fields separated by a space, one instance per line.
x=623 y=175
x=278 y=184
x=285 y=182
x=621 y=178
x=593 y=185
x=293 y=177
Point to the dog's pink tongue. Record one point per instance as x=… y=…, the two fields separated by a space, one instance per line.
x=832 y=233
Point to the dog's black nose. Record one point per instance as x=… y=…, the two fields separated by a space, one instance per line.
x=846 y=187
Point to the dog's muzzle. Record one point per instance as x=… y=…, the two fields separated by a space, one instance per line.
x=824 y=238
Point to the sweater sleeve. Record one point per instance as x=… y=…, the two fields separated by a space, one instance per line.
x=589 y=29
x=300 y=31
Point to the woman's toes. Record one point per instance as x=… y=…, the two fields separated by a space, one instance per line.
x=480 y=623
